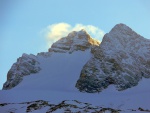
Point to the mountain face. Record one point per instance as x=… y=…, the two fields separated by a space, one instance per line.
x=122 y=59
x=30 y=64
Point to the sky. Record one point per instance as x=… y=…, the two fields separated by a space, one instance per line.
x=31 y=26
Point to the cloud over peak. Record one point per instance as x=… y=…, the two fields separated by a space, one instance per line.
x=56 y=31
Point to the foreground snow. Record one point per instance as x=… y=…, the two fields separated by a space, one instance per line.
x=56 y=83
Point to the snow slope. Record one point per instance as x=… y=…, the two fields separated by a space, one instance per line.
x=58 y=72
x=56 y=82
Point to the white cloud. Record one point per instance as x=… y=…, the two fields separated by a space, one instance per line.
x=56 y=31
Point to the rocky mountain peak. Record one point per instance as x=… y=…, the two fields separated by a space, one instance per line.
x=74 y=33
x=121 y=28
x=121 y=59
x=123 y=38
x=76 y=40
x=123 y=31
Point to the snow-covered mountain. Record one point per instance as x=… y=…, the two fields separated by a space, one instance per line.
x=77 y=43
x=122 y=59
x=78 y=74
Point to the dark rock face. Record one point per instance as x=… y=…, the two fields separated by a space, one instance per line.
x=25 y=65
x=121 y=59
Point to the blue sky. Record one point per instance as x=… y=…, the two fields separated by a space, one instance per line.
x=22 y=22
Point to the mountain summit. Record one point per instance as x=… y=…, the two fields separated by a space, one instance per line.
x=80 y=40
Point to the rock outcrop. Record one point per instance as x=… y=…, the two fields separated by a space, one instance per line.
x=25 y=65
x=65 y=106
x=74 y=41
x=122 y=59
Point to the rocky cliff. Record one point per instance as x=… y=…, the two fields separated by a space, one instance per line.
x=122 y=59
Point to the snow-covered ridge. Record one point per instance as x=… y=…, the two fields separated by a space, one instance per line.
x=122 y=59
